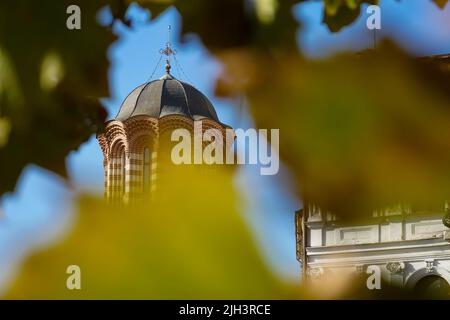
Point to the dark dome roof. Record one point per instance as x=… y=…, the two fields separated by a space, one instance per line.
x=167 y=96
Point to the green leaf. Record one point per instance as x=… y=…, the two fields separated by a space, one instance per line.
x=5 y=128
x=340 y=13
x=50 y=84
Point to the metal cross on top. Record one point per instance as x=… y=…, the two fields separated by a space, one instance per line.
x=168 y=51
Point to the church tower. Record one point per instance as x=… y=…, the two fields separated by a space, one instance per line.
x=133 y=142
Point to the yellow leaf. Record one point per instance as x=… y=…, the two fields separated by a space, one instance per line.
x=188 y=244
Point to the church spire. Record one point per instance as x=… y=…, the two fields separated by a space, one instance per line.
x=168 y=51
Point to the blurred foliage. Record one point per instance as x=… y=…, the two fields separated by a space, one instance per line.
x=181 y=246
x=441 y=3
x=340 y=13
x=5 y=128
x=189 y=243
x=51 y=80
x=358 y=132
x=263 y=24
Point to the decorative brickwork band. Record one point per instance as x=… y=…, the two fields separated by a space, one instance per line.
x=131 y=153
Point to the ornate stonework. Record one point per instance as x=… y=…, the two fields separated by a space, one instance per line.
x=407 y=246
x=133 y=143
x=359 y=268
x=125 y=144
x=430 y=265
x=315 y=273
x=395 y=267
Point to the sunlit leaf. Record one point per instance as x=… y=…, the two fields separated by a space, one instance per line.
x=188 y=244
x=441 y=3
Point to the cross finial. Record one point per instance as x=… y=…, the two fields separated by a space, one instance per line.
x=168 y=51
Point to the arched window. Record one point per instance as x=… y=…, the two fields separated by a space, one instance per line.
x=433 y=287
x=123 y=172
x=146 y=170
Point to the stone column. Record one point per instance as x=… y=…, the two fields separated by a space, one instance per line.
x=396 y=270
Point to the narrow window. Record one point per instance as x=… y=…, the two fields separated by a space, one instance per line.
x=146 y=169
x=123 y=172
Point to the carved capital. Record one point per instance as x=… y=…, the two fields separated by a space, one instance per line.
x=446 y=220
x=430 y=265
x=359 y=268
x=447 y=235
x=395 y=267
x=315 y=273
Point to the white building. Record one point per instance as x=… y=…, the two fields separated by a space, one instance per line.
x=412 y=248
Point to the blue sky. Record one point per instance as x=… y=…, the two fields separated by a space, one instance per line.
x=38 y=211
